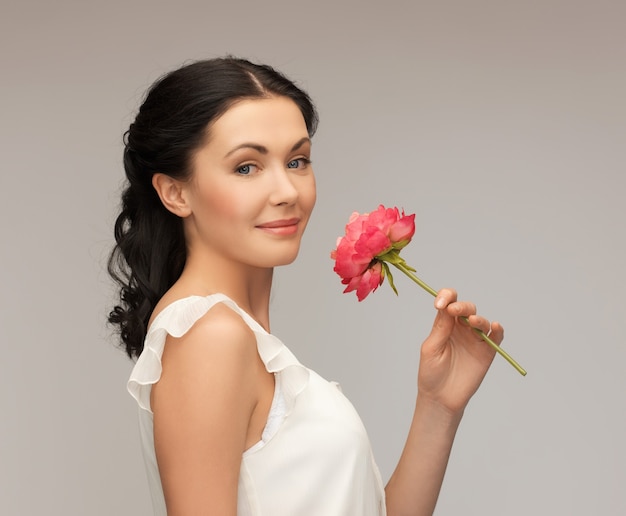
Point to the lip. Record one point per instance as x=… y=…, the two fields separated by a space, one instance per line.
x=281 y=227
x=279 y=223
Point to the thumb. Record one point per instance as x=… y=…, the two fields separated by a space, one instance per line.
x=440 y=332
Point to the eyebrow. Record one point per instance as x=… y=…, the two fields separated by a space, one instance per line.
x=263 y=150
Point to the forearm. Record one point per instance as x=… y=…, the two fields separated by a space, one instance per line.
x=415 y=484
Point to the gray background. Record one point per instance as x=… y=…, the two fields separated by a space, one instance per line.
x=500 y=124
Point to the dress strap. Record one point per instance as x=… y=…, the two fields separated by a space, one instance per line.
x=177 y=319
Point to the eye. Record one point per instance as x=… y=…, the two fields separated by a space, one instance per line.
x=298 y=163
x=245 y=170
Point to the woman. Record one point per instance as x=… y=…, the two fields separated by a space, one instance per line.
x=220 y=189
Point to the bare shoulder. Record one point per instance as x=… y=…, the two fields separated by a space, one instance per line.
x=220 y=339
x=202 y=405
x=208 y=372
x=221 y=321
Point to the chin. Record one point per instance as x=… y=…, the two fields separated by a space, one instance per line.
x=286 y=258
x=286 y=262
x=274 y=255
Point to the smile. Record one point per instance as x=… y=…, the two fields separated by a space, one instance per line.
x=281 y=227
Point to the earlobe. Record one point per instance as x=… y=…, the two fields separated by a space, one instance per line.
x=172 y=194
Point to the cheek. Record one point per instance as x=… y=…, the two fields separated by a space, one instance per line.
x=220 y=203
x=222 y=208
x=308 y=195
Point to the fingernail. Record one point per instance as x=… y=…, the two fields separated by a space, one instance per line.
x=440 y=303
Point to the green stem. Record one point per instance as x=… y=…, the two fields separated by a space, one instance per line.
x=402 y=266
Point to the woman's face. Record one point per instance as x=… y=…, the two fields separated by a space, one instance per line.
x=252 y=188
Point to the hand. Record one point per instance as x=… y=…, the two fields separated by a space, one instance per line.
x=454 y=359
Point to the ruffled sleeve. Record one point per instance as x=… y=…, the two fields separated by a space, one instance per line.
x=178 y=318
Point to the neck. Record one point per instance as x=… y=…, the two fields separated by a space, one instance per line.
x=206 y=273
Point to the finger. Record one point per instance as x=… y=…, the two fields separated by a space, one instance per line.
x=444 y=297
x=439 y=334
x=497 y=332
x=461 y=309
x=480 y=323
x=444 y=321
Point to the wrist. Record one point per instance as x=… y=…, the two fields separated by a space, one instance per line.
x=438 y=414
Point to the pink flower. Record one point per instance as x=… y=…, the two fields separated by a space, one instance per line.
x=370 y=240
x=367 y=282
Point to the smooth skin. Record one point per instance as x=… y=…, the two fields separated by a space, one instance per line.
x=244 y=211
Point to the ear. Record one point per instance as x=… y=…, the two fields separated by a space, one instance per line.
x=172 y=193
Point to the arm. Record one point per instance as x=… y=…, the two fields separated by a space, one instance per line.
x=202 y=408
x=453 y=363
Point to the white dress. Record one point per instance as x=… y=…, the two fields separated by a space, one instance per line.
x=314 y=458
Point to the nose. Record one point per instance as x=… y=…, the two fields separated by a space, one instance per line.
x=283 y=191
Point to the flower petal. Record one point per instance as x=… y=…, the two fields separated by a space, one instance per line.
x=371 y=279
x=372 y=242
x=403 y=229
x=348 y=263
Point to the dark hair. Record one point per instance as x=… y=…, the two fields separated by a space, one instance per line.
x=171 y=124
